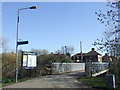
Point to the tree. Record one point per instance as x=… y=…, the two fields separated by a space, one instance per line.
x=40 y=52
x=65 y=50
x=45 y=61
x=3 y=44
x=110 y=42
x=44 y=51
x=69 y=49
x=111 y=37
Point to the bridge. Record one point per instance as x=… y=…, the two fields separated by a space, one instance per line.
x=95 y=68
x=90 y=68
x=100 y=73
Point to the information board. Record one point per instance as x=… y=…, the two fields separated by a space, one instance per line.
x=29 y=60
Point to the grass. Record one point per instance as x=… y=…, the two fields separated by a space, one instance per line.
x=97 y=82
x=118 y=84
x=93 y=81
x=7 y=81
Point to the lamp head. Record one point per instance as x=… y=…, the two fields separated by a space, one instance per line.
x=33 y=7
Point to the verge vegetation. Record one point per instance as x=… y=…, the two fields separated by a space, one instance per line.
x=44 y=67
x=93 y=81
x=97 y=82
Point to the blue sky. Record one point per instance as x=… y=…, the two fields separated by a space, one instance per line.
x=53 y=24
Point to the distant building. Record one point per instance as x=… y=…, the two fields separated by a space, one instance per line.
x=90 y=56
x=79 y=57
x=106 y=58
x=93 y=56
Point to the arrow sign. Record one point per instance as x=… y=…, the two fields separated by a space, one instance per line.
x=22 y=42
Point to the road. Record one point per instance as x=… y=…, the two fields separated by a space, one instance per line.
x=67 y=80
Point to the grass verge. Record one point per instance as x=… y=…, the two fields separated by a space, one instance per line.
x=98 y=82
x=93 y=81
x=7 y=81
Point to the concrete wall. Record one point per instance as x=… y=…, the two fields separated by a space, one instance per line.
x=67 y=67
x=95 y=67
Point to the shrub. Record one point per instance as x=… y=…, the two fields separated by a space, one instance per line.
x=67 y=60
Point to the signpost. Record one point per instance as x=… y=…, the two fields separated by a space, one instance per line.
x=22 y=42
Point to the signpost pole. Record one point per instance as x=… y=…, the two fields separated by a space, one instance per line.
x=21 y=66
x=17 y=48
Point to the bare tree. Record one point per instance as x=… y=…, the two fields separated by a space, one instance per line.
x=40 y=52
x=3 y=44
x=110 y=42
x=65 y=50
x=44 y=51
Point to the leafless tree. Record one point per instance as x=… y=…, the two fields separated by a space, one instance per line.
x=3 y=44
x=110 y=42
x=40 y=51
x=65 y=50
x=111 y=39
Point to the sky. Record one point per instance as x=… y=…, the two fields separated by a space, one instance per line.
x=53 y=24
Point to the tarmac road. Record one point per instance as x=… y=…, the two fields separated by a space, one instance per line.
x=67 y=80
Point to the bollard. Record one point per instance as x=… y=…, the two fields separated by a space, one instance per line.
x=110 y=81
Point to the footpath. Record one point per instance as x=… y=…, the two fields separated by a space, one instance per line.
x=66 y=80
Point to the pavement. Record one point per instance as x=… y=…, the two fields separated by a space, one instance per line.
x=66 y=80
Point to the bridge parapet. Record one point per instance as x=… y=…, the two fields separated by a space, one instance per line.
x=96 y=68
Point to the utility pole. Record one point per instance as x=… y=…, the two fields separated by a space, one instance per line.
x=81 y=50
x=65 y=49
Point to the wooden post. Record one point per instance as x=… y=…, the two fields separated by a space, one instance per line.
x=21 y=69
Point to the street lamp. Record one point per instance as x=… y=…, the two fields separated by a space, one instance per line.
x=17 y=42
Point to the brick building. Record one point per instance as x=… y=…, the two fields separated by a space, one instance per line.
x=90 y=56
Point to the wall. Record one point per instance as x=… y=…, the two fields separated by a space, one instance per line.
x=99 y=58
x=67 y=67
x=95 y=67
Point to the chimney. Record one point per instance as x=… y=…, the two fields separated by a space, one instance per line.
x=93 y=49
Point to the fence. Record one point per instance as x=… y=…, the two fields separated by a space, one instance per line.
x=67 y=67
x=95 y=68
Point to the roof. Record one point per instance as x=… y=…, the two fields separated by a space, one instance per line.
x=91 y=53
x=106 y=56
x=79 y=54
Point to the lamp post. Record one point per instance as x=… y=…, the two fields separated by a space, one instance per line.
x=17 y=42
